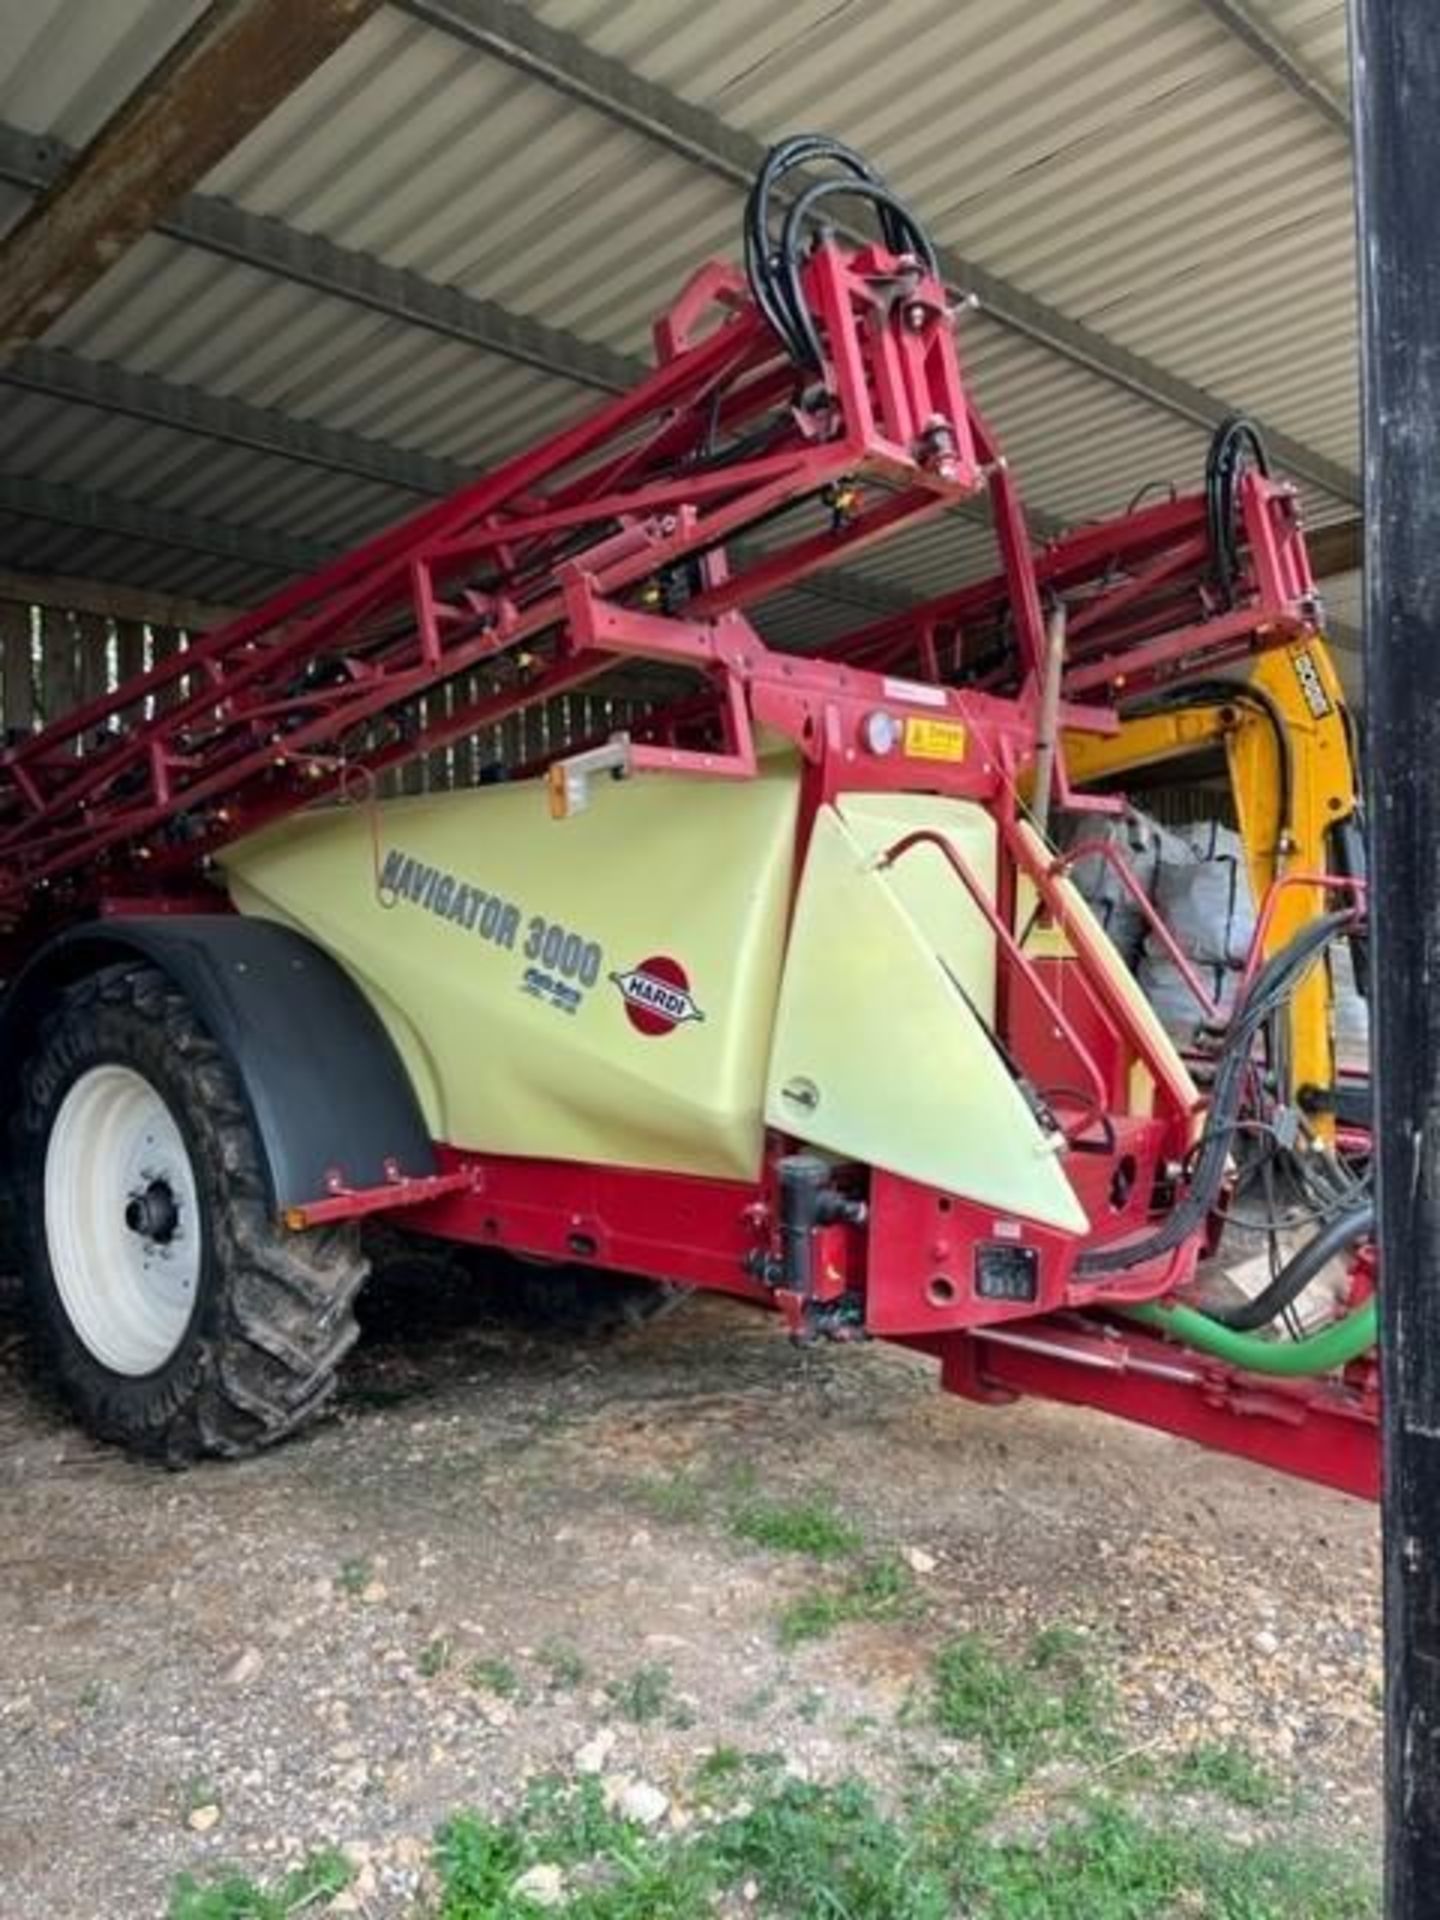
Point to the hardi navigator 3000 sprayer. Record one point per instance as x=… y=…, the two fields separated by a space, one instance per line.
x=784 y=994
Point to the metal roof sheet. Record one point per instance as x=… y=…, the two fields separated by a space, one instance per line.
x=209 y=322
x=1130 y=161
x=65 y=65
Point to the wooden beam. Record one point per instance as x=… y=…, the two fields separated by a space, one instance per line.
x=238 y=62
x=68 y=595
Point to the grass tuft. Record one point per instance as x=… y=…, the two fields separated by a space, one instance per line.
x=490 y=1675
x=805 y=1852
x=1110 y=1864
x=231 y=1896
x=1231 y=1772
x=817 y=1852
x=679 y=1499
x=719 y=1774
x=354 y=1576
x=810 y=1527
x=643 y=1696
x=435 y=1656
x=564 y=1669
x=881 y=1589
x=1051 y=1702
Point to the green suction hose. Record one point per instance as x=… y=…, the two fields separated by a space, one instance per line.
x=1317 y=1353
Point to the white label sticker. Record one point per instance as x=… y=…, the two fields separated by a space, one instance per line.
x=917 y=694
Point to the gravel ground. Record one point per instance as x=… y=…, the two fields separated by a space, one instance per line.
x=454 y=1586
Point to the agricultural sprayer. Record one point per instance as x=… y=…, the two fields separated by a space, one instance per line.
x=781 y=993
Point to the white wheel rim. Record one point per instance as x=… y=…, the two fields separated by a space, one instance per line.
x=122 y=1220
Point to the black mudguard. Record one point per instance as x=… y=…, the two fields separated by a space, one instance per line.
x=328 y=1093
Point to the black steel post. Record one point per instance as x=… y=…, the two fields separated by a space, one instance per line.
x=1395 y=58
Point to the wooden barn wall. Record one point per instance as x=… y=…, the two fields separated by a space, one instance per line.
x=52 y=660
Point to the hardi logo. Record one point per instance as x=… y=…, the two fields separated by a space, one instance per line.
x=657 y=995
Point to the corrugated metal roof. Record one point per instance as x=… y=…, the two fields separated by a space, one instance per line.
x=43 y=546
x=208 y=322
x=440 y=160
x=66 y=65
x=1316 y=31
x=1130 y=161
x=84 y=447
x=1134 y=164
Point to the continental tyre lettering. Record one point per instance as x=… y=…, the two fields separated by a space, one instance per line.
x=563 y=954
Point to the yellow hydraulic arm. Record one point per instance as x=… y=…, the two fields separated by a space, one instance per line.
x=1287 y=741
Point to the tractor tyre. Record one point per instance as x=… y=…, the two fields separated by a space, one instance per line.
x=172 y=1308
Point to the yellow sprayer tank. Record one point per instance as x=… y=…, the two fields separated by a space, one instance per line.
x=645 y=985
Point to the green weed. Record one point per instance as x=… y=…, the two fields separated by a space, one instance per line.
x=680 y=1500
x=1231 y=1772
x=810 y=1527
x=817 y=1852
x=564 y=1669
x=310 y=1889
x=719 y=1773
x=1018 y=1711
x=435 y=1656
x=490 y=1675
x=802 y=1852
x=1110 y=1864
x=354 y=1576
x=882 y=1589
x=643 y=1696
x=477 y=1862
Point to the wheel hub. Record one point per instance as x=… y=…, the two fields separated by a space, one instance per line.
x=123 y=1225
x=153 y=1213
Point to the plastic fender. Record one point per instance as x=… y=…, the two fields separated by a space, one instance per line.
x=329 y=1098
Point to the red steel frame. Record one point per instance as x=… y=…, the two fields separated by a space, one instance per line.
x=1142 y=607
x=323 y=682
x=542 y=575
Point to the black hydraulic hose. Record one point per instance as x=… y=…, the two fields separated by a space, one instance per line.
x=1234 y=693
x=1297 y=1273
x=1267 y=993
x=797 y=151
x=1349 y=840
x=911 y=236
x=760 y=261
x=773 y=266
x=1234 y=443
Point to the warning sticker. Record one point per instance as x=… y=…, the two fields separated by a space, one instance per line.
x=934 y=739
